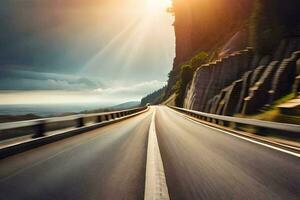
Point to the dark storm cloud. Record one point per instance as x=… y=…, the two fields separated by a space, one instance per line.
x=12 y=78
x=39 y=41
x=47 y=35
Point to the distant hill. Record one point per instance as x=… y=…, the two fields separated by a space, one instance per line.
x=155 y=97
x=14 y=118
x=126 y=105
x=123 y=106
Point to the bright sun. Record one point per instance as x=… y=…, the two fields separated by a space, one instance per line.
x=155 y=5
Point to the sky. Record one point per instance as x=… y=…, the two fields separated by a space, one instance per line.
x=78 y=51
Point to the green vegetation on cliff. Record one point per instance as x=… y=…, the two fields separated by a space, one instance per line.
x=154 y=98
x=186 y=75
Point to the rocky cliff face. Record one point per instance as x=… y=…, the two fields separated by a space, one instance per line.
x=211 y=78
x=236 y=79
x=244 y=81
x=205 y=25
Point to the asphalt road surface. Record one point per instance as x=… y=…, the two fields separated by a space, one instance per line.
x=202 y=163
x=110 y=163
x=107 y=163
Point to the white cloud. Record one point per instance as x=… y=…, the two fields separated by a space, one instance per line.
x=11 y=79
x=139 y=90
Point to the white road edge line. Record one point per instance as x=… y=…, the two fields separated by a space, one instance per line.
x=155 y=183
x=241 y=137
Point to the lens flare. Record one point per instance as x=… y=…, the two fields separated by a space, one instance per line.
x=156 y=5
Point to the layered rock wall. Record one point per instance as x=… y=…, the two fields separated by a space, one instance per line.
x=244 y=82
x=211 y=78
x=197 y=27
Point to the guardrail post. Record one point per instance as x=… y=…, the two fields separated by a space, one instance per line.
x=112 y=116
x=99 y=118
x=80 y=122
x=226 y=123
x=220 y=122
x=40 y=129
x=106 y=118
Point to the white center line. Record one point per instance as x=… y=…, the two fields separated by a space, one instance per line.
x=155 y=184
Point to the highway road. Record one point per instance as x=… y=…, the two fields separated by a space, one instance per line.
x=107 y=163
x=110 y=163
x=203 y=163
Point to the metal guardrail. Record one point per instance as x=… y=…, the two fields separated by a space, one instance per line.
x=40 y=125
x=252 y=122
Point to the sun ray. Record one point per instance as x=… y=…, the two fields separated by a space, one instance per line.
x=113 y=41
x=126 y=49
x=156 y=5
